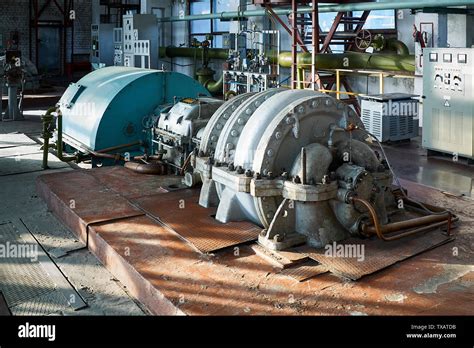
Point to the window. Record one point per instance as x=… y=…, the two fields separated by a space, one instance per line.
x=200 y=8
x=199 y=29
x=379 y=19
x=326 y=19
x=222 y=6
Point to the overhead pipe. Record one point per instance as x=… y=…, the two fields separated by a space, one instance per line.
x=351 y=60
x=347 y=60
x=171 y=52
x=361 y=6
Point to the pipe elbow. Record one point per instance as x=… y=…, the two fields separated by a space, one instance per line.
x=214 y=86
x=398 y=46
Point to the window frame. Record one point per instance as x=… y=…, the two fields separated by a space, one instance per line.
x=212 y=32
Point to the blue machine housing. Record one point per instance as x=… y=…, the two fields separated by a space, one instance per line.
x=109 y=106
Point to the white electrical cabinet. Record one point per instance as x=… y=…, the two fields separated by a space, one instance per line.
x=448 y=107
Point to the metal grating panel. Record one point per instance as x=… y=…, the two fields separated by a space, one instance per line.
x=378 y=254
x=20 y=279
x=25 y=284
x=52 y=302
x=180 y=211
x=305 y=271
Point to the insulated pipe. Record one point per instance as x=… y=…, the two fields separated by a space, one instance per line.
x=348 y=60
x=361 y=6
x=215 y=86
x=398 y=46
x=171 y=52
x=352 y=60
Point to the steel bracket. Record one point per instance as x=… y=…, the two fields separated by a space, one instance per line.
x=277 y=236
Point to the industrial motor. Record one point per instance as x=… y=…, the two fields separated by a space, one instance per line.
x=110 y=109
x=291 y=161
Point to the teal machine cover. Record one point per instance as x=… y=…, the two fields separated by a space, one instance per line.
x=112 y=106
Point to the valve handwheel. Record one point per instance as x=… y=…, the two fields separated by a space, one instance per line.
x=363 y=39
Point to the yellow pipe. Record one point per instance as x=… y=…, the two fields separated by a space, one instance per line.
x=381 y=81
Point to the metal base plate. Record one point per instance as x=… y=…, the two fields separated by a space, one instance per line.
x=180 y=211
x=305 y=271
x=377 y=254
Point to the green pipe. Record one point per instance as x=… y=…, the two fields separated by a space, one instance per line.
x=205 y=77
x=215 y=87
x=47 y=134
x=361 y=6
x=48 y=120
x=398 y=46
x=351 y=60
x=170 y=52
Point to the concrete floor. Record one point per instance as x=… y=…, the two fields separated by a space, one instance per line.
x=410 y=162
x=103 y=293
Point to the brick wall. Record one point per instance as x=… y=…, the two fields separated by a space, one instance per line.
x=14 y=15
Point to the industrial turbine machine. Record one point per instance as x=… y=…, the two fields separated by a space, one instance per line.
x=298 y=163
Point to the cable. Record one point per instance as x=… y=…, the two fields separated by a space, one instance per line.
x=396 y=178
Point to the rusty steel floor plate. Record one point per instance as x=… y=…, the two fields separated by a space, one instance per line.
x=130 y=184
x=304 y=271
x=163 y=268
x=377 y=254
x=180 y=211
